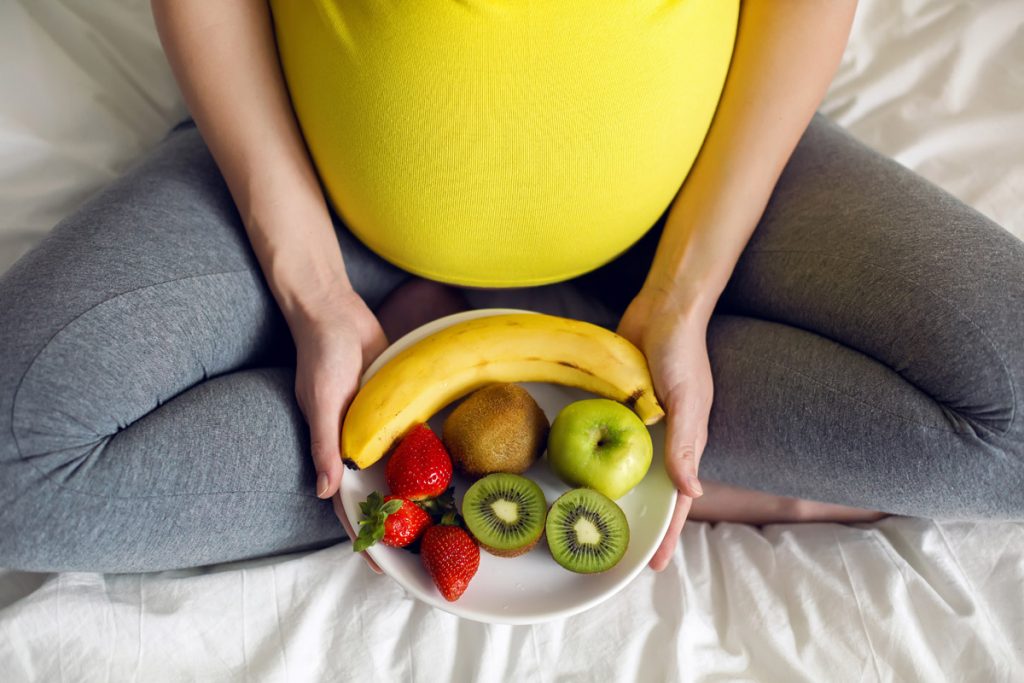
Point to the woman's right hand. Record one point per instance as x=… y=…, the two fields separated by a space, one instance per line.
x=334 y=343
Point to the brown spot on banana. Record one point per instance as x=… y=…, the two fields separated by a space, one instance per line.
x=632 y=399
x=578 y=368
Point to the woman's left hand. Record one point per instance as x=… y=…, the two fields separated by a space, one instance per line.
x=673 y=337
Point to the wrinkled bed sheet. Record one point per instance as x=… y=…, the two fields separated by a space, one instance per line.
x=939 y=85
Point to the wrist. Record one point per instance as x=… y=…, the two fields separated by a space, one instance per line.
x=692 y=264
x=301 y=260
x=308 y=283
x=311 y=295
x=689 y=299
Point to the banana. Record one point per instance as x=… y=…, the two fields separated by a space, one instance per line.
x=513 y=347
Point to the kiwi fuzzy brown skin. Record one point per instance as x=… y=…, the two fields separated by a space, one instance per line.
x=509 y=553
x=498 y=428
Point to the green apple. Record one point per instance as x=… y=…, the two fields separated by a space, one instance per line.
x=600 y=444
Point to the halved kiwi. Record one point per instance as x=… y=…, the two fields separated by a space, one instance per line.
x=505 y=513
x=587 y=531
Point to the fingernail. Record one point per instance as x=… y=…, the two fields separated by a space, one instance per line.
x=695 y=485
x=321 y=485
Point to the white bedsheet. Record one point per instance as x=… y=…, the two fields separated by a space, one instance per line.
x=937 y=84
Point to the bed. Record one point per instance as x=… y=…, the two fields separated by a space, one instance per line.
x=937 y=84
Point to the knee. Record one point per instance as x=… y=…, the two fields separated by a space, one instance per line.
x=16 y=473
x=25 y=491
x=14 y=554
x=46 y=527
x=37 y=451
x=51 y=415
x=23 y=541
x=42 y=442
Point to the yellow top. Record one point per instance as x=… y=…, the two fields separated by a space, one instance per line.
x=503 y=143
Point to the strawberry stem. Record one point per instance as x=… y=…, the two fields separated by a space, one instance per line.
x=438 y=507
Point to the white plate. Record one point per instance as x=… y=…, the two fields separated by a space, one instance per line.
x=530 y=588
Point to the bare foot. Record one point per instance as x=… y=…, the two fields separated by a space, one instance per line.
x=724 y=503
x=416 y=303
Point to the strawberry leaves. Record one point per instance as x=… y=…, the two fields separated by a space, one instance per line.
x=371 y=527
x=438 y=507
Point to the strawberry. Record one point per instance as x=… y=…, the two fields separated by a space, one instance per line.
x=451 y=557
x=420 y=467
x=391 y=520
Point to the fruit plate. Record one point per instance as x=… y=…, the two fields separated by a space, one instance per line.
x=531 y=588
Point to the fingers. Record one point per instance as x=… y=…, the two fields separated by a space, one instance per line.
x=324 y=402
x=685 y=436
x=629 y=325
x=339 y=510
x=327 y=404
x=374 y=346
x=668 y=545
x=324 y=436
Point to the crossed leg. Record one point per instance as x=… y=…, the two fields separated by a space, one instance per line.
x=147 y=411
x=865 y=352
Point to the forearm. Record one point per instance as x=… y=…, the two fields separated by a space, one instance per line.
x=224 y=59
x=785 y=56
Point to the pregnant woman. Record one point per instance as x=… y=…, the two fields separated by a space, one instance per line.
x=833 y=337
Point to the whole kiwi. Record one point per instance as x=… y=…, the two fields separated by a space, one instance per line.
x=498 y=428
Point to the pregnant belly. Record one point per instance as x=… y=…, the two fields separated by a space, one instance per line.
x=491 y=143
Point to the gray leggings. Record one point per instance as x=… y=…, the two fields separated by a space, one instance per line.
x=868 y=350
